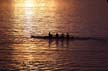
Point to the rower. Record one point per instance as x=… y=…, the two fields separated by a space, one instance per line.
x=50 y=35
x=67 y=36
x=57 y=36
x=62 y=36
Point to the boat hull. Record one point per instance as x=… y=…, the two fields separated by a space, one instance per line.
x=62 y=38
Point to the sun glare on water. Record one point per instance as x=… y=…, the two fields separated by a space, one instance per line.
x=27 y=10
x=39 y=4
x=29 y=3
x=24 y=3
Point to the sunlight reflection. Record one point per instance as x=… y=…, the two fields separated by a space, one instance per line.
x=43 y=4
x=32 y=53
x=29 y=16
x=24 y=11
x=45 y=12
x=34 y=14
x=26 y=50
x=29 y=3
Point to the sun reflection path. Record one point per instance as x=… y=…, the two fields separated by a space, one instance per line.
x=30 y=3
x=24 y=10
x=35 y=3
x=29 y=12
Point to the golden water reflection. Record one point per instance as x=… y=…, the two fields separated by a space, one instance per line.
x=39 y=17
x=35 y=16
x=31 y=17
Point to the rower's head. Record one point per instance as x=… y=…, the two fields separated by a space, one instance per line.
x=49 y=33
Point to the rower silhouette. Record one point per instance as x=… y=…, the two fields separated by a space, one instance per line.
x=67 y=39
x=57 y=36
x=57 y=39
x=50 y=36
x=62 y=36
x=67 y=36
x=50 y=39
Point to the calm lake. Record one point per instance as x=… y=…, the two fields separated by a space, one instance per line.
x=19 y=19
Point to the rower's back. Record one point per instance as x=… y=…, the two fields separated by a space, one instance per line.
x=50 y=35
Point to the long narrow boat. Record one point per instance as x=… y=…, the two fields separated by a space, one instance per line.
x=63 y=38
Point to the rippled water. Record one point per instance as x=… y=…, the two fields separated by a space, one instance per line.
x=19 y=19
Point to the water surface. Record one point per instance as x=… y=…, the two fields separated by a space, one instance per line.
x=19 y=19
